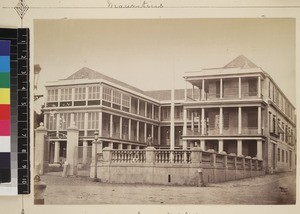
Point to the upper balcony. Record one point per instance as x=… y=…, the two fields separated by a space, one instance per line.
x=235 y=88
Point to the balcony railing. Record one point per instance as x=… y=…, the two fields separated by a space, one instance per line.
x=226 y=96
x=226 y=131
x=128 y=156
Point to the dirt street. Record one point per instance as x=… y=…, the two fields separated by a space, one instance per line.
x=269 y=189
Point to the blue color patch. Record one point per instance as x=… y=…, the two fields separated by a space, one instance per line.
x=4 y=48
x=4 y=64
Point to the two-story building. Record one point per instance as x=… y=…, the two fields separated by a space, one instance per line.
x=234 y=109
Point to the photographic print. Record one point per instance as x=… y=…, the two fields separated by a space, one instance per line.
x=165 y=111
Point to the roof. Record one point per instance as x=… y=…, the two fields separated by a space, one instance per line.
x=87 y=73
x=241 y=62
x=240 y=65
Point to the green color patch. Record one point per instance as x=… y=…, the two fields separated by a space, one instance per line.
x=4 y=79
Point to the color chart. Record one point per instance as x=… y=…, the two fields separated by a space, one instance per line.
x=5 y=174
x=14 y=112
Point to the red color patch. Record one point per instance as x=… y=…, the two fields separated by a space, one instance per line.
x=4 y=112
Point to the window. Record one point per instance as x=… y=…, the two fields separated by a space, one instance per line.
x=66 y=94
x=117 y=97
x=80 y=93
x=79 y=120
x=126 y=100
x=65 y=121
x=252 y=87
x=93 y=119
x=165 y=112
x=107 y=94
x=94 y=92
x=252 y=119
x=52 y=95
x=282 y=156
x=287 y=156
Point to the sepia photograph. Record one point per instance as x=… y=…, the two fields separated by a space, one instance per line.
x=165 y=111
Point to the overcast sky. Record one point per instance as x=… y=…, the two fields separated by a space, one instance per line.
x=144 y=53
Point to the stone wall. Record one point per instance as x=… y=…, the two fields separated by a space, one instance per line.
x=177 y=167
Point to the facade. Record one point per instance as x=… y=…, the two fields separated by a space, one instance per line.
x=235 y=109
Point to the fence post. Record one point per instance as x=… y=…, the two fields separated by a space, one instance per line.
x=196 y=155
x=107 y=155
x=72 y=143
x=39 y=148
x=150 y=155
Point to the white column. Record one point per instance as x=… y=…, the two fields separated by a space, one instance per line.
x=193 y=92
x=86 y=94
x=202 y=121
x=100 y=123
x=138 y=106
x=84 y=152
x=239 y=147
x=58 y=95
x=259 y=120
x=152 y=131
x=202 y=144
x=101 y=93
x=111 y=126
x=259 y=150
x=121 y=127
x=73 y=95
x=111 y=145
x=240 y=87
x=85 y=123
x=199 y=124
x=58 y=124
x=129 y=129
x=72 y=120
x=221 y=88
x=120 y=146
x=221 y=146
x=240 y=120
x=146 y=113
x=259 y=87
x=192 y=127
x=203 y=87
x=129 y=146
x=184 y=130
x=145 y=132
x=111 y=97
x=137 y=131
x=45 y=119
x=221 y=120
x=56 y=152
x=152 y=111
x=158 y=134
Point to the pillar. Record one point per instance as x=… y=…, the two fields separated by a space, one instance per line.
x=84 y=152
x=239 y=147
x=221 y=88
x=56 y=152
x=202 y=121
x=221 y=146
x=121 y=128
x=158 y=134
x=259 y=87
x=128 y=146
x=138 y=107
x=40 y=146
x=120 y=146
x=57 y=124
x=259 y=120
x=137 y=131
x=152 y=132
x=193 y=92
x=145 y=132
x=111 y=126
x=240 y=87
x=184 y=144
x=72 y=144
x=85 y=123
x=129 y=129
x=184 y=130
x=199 y=124
x=100 y=123
x=221 y=121
x=185 y=90
x=259 y=150
x=45 y=119
x=192 y=127
x=203 y=89
x=152 y=111
x=111 y=145
x=239 y=120
x=202 y=144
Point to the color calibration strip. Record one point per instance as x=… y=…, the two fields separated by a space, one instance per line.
x=19 y=112
x=5 y=160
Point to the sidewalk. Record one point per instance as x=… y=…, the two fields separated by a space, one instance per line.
x=268 y=189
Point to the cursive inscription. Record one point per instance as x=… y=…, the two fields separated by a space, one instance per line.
x=144 y=4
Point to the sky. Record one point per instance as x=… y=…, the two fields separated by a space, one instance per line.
x=146 y=53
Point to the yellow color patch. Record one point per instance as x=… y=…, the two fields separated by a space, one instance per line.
x=4 y=96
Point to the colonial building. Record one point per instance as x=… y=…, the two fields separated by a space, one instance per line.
x=237 y=109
